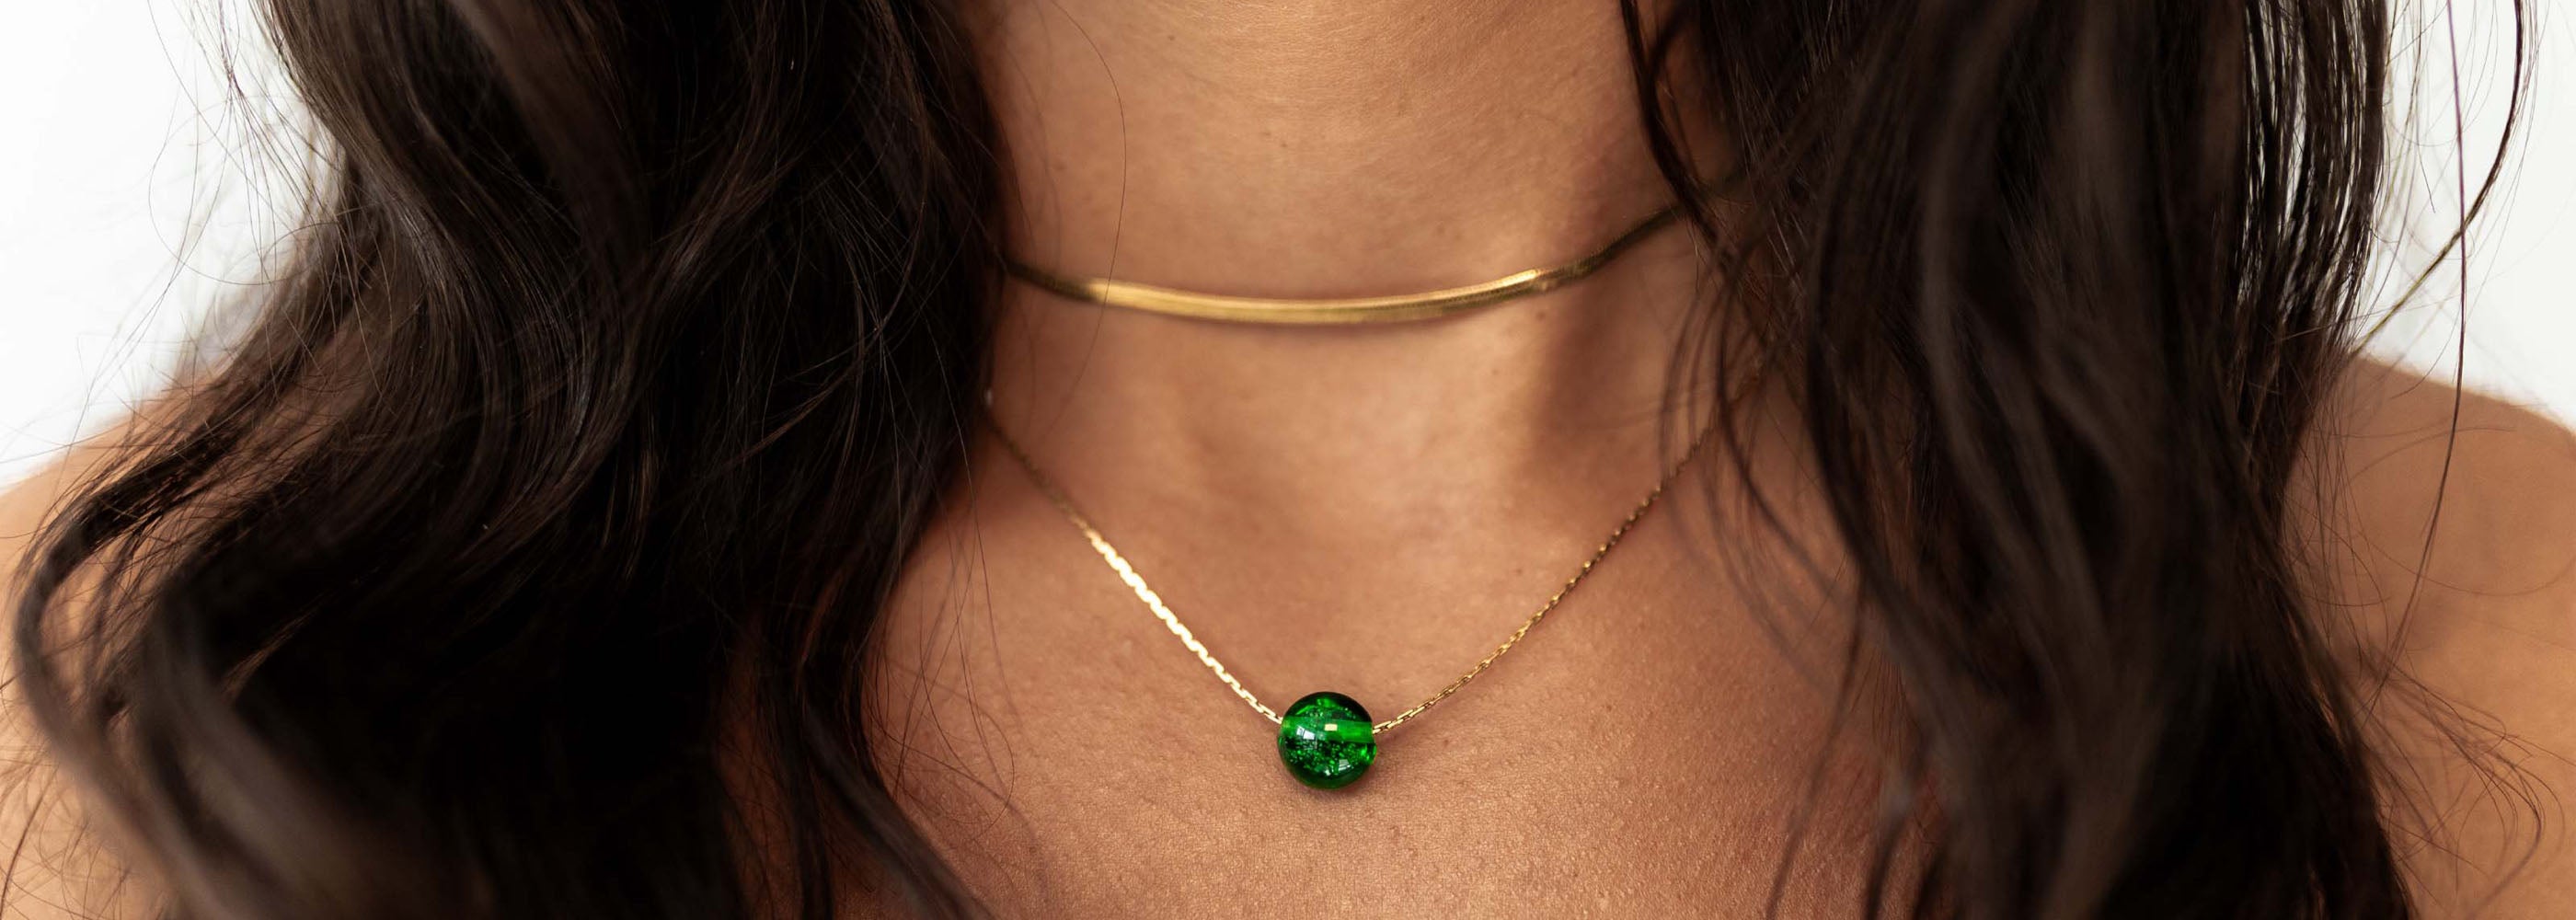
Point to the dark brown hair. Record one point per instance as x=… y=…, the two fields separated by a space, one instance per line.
x=633 y=344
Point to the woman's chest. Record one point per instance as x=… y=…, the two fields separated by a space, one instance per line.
x=1070 y=757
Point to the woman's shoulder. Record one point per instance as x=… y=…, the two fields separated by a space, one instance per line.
x=2445 y=523
x=57 y=865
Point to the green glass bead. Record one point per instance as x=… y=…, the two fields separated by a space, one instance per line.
x=1326 y=740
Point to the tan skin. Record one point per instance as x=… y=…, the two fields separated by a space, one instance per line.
x=1368 y=510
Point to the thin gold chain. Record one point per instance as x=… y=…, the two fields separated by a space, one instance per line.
x=1154 y=602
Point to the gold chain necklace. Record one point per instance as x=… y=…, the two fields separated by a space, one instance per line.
x=1332 y=311
x=1326 y=739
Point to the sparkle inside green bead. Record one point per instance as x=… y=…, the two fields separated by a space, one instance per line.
x=1326 y=740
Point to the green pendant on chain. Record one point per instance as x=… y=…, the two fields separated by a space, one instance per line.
x=1326 y=740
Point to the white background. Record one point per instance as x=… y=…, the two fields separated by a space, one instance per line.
x=132 y=199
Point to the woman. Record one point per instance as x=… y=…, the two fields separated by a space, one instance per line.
x=688 y=475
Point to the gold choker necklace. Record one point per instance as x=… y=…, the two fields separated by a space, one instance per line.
x=1334 y=311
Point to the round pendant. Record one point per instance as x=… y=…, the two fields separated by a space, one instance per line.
x=1326 y=740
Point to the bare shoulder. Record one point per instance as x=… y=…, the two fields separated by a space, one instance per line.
x=2449 y=543
x=56 y=865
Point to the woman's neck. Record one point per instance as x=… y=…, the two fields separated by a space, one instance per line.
x=1337 y=148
